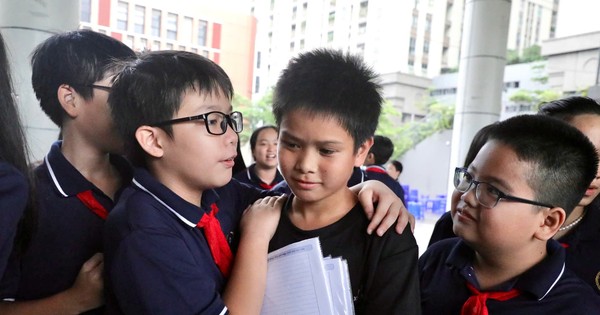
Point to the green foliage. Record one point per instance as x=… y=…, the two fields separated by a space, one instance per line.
x=255 y=115
x=406 y=136
x=534 y=98
x=531 y=53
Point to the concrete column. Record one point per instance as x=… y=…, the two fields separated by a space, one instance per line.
x=24 y=24
x=480 y=74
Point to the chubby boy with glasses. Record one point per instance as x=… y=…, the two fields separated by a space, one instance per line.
x=516 y=194
x=167 y=241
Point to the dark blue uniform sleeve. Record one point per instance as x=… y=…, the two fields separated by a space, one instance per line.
x=14 y=191
x=155 y=273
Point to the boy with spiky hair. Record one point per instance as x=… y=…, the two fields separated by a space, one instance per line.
x=327 y=106
x=515 y=195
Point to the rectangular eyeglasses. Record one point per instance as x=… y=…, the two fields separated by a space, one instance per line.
x=487 y=195
x=216 y=122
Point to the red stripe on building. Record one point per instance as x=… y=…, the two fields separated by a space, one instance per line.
x=216 y=36
x=216 y=57
x=117 y=36
x=104 y=13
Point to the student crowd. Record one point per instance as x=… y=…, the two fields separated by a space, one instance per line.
x=134 y=210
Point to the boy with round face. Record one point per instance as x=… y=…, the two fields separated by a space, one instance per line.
x=515 y=196
x=327 y=106
x=263 y=173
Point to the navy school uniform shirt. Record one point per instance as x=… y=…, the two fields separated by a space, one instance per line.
x=546 y=288
x=14 y=191
x=383 y=270
x=249 y=177
x=581 y=244
x=378 y=172
x=67 y=232
x=156 y=260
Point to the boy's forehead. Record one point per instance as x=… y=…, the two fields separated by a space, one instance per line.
x=499 y=162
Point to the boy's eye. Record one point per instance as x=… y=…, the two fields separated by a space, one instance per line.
x=326 y=151
x=214 y=121
x=288 y=144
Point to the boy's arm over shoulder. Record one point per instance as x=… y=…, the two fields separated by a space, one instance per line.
x=392 y=284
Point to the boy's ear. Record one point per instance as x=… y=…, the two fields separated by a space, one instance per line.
x=149 y=139
x=362 y=152
x=553 y=219
x=66 y=98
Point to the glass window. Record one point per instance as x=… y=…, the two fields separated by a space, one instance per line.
x=202 y=30
x=155 y=45
x=144 y=43
x=169 y=46
x=172 y=26
x=139 y=19
x=364 y=7
x=86 y=11
x=187 y=30
x=156 y=17
x=129 y=41
x=330 y=37
x=362 y=28
x=331 y=18
x=122 y=13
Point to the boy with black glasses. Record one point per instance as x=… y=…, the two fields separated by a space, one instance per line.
x=168 y=239
x=516 y=194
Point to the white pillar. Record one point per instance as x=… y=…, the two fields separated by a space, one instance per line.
x=24 y=24
x=480 y=74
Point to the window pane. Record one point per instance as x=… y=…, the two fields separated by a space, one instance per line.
x=86 y=10
x=202 y=29
x=123 y=11
x=140 y=17
x=156 y=16
x=172 y=26
x=187 y=29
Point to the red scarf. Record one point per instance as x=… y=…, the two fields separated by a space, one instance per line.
x=475 y=305
x=87 y=198
x=219 y=248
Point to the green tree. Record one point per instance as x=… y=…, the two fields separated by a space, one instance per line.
x=255 y=114
x=406 y=136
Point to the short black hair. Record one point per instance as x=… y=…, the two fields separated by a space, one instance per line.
x=398 y=165
x=477 y=143
x=333 y=84
x=382 y=149
x=78 y=58
x=150 y=90
x=567 y=108
x=256 y=133
x=557 y=179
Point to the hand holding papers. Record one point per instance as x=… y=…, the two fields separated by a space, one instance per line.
x=300 y=281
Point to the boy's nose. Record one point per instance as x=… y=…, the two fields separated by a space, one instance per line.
x=306 y=162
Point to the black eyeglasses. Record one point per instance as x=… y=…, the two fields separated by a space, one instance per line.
x=486 y=194
x=215 y=122
x=99 y=87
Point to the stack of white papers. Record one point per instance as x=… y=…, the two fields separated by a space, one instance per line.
x=301 y=281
